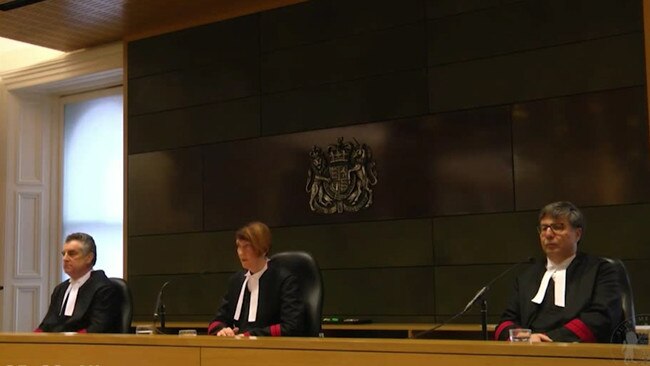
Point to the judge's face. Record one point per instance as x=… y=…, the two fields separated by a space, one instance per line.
x=558 y=238
x=75 y=262
x=248 y=256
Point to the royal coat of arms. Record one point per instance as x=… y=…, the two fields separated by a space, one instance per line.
x=341 y=178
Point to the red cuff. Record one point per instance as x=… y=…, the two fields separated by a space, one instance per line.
x=276 y=331
x=213 y=325
x=246 y=334
x=579 y=328
x=38 y=330
x=501 y=327
x=82 y=331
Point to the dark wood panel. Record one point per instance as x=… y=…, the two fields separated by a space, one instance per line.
x=590 y=149
x=443 y=8
x=194 y=47
x=233 y=78
x=396 y=95
x=182 y=253
x=344 y=59
x=568 y=69
x=529 y=25
x=327 y=19
x=224 y=121
x=457 y=285
x=469 y=166
x=382 y=291
x=484 y=239
x=447 y=164
x=617 y=231
x=365 y=244
x=197 y=295
x=164 y=192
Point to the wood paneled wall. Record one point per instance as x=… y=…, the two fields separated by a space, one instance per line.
x=478 y=113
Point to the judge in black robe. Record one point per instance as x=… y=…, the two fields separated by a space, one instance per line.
x=262 y=300
x=97 y=305
x=279 y=309
x=97 y=309
x=589 y=303
x=592 y=310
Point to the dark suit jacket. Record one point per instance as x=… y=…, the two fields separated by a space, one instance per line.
x=593 y=302
x=280 y=310
x=97 y=309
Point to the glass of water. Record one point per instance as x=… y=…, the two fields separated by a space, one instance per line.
x=520 y=335
x=144 y=329
x=187 y=332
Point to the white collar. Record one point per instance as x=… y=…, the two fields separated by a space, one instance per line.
x=70 y=296
x=559 y=266
x=558 y=272
x=81 y=280
x=252 y=281
x=256 y=276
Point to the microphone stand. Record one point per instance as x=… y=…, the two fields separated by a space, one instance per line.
x=484 y=319
x=162 y=315
x=480 y=296
x=159 y=311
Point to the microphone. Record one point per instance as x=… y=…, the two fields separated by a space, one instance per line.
x=485 y=288
x=159 y=309
x=480 y=295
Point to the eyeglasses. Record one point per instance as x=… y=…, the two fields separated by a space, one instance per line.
x=556 y=228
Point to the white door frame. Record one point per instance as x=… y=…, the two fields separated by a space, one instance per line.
x=30 y=205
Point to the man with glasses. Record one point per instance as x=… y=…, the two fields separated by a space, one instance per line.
x=569 y=297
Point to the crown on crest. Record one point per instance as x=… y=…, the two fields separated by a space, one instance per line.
x=339 y=152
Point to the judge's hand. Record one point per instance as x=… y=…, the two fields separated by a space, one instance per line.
x=228 y=332
x=539 y=337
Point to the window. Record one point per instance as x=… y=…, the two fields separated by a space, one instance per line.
x=93 y=173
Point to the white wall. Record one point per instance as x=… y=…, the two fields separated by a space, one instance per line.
x=15 y=55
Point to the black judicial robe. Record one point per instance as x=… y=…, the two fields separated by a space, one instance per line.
x=280 y=310
x=97 y=309
x=593 y=303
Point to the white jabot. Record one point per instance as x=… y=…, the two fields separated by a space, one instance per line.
x=558 y=272
x=71 y=294
x=252 y=281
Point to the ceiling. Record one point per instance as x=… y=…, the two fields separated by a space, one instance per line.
x=69 y=25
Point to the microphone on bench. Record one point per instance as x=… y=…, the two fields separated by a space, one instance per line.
x=480 y=295
x=159 y=310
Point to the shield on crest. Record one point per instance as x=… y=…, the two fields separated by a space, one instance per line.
x=341 y=179
x=339 y=185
